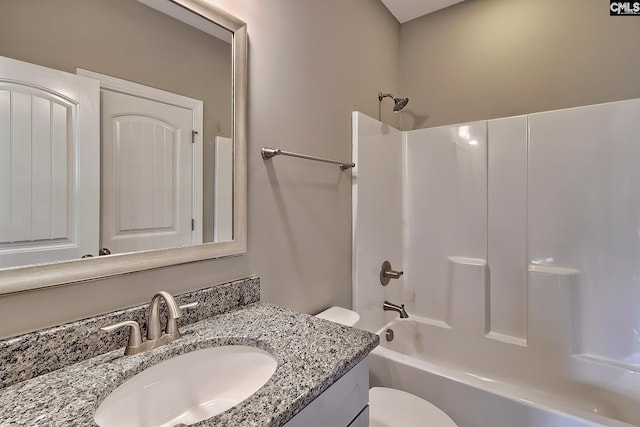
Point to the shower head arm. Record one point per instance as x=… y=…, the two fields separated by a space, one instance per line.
x=381 y=96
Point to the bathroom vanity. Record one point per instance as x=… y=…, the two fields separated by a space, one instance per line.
x=321 y=376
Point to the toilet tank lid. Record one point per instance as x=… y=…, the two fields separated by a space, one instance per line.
x=340 y=315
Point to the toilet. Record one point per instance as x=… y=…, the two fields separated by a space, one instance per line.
x=389 y=407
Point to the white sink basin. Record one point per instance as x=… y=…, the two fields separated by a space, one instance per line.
x=188 y=388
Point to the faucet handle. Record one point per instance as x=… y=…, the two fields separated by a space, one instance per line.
x=189 y=305
x=172 y=323
x=135 y=337
x=386 y=273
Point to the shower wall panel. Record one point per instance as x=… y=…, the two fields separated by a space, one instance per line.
x=507 y=229
x=584 y=218
x=377 y=216
x=445 y=241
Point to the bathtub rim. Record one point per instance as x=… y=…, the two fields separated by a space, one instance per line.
x=541 y=400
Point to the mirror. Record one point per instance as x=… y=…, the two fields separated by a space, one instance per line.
x=145 y=58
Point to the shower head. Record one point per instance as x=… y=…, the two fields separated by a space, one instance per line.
x=400 y=103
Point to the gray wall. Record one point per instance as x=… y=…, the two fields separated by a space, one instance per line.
x=483 y=59
x=310 y=64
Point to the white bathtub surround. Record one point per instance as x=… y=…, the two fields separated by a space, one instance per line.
x=520 y=240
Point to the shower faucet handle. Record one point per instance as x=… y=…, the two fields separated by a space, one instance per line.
x=386 y=273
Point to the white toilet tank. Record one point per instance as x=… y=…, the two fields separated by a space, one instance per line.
x=340 y=315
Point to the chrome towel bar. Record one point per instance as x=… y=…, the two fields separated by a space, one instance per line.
x=268 y=153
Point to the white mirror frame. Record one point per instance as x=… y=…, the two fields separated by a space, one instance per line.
x=20 y=279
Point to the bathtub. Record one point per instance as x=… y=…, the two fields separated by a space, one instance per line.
x=468 y=396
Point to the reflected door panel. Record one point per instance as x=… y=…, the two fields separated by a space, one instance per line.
x=147 y=174
x=41 y=218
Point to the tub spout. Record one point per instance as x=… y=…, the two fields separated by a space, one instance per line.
x=389 y=306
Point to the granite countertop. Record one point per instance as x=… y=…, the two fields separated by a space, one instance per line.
x=312 y=354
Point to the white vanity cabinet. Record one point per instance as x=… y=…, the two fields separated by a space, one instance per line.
x=343 y=404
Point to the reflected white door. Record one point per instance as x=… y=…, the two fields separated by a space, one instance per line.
x=49 y=164
x=147 y=174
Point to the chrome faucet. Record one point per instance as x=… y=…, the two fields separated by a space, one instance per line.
x=155 y=336
x=389 y=306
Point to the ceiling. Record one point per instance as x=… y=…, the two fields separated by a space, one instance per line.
x=406 y=10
